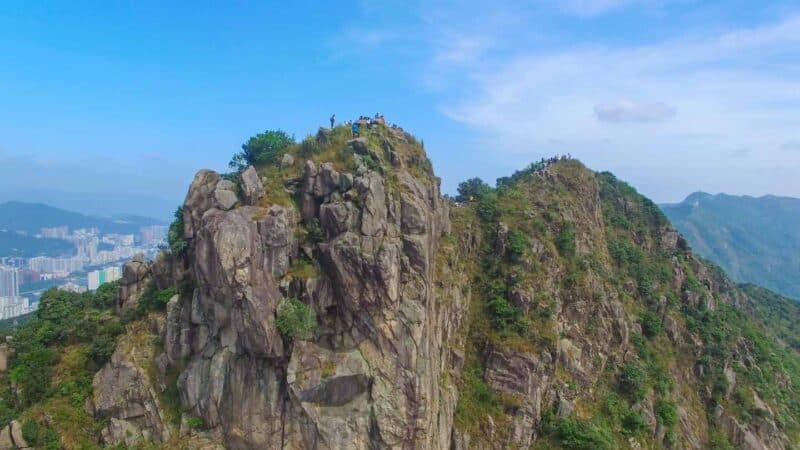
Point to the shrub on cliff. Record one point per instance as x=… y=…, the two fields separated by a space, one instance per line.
x=295 y=319
x=633 y=381
x=517 y=244
x=175 y=233
x=565 y=241
x=473 y=188
x=263 y=148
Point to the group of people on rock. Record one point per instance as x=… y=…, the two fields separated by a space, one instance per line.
x=355 y=126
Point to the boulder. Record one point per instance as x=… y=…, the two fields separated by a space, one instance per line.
x=252 y=189
x=136 y=274
x=287 y=160
x=225 y=195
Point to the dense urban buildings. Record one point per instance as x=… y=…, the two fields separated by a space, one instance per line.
x=14 y=306
x=96 y=260
x=11 y=304
x=97 y=278
x=10 y=279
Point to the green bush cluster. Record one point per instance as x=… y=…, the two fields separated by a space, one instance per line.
x=196 y=423
x=618 y=411
x=667 y=413
x=314 y=233
x=472 y=189
x=517 y=245
x=633 y=424
x=505 y=316
x=310 y=147
x=370 y=162
x=40 y=437
x=488 y=207
x=263 y=148
x=63 y=318
x=633 y=381
x=476 y=399
x=624 y=253
x=177 y=245
x=651 y=324
x=565 y=241
x=154 y=299
x=295 y=319
x=576 y=434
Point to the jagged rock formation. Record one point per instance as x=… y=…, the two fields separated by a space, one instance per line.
x=412 y=348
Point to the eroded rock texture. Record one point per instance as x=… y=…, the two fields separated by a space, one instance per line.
x=368 y=247
x=371 y=377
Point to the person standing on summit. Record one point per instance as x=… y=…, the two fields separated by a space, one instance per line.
x=333 y=120
x=354 y=128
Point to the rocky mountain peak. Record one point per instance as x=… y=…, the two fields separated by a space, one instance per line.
x=332 y=298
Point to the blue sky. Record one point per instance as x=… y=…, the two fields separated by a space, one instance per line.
x=111 y=107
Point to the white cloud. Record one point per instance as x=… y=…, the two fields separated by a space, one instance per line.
x=528 y=89
x=461 y=49
x=728 y=88
x=628 y=111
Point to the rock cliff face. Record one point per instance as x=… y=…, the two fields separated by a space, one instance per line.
x=371 y=377
x=412 y=348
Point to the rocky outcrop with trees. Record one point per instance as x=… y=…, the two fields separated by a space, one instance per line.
x=325 y=295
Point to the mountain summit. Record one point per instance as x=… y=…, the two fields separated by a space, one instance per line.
x=330 y=297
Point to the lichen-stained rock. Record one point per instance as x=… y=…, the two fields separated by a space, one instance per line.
x=225 y=195
x=199 y=199
x=327 y=180
x=125 y=393
x=522 y=377
x=374 y=209
x=252 y=189
x=135 y=276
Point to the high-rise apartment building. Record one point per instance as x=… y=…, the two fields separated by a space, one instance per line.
x=10 y=279
x=97 y=278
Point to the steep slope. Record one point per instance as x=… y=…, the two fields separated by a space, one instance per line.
x=334 y=299
x=755 y=240
x=593 y=326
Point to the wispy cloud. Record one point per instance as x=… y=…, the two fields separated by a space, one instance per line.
x=728 y=88
x=629 y=111
x=622 y=104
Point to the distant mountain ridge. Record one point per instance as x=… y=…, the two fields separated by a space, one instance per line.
x=755 y=239
x=32 y=217
x=13 y=244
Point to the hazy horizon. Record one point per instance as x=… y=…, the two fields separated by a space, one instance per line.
x=125 y=103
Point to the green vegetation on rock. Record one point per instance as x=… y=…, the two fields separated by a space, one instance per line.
x=295 y=319
x=263 y=148
x=56 y=354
